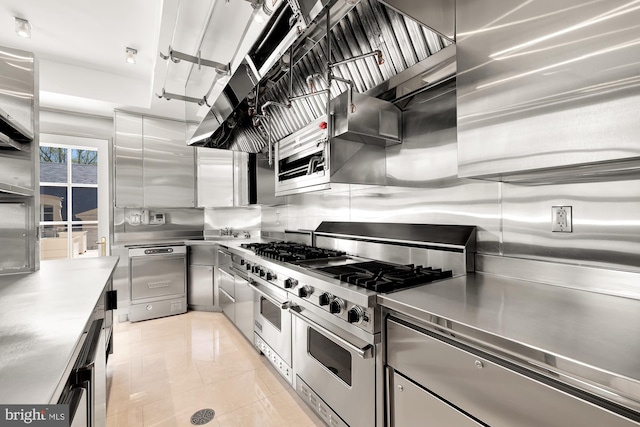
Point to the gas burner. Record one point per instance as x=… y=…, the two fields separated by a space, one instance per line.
x=290 y=252
x=384 y=277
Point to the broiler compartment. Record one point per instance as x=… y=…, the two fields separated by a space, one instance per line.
x=310 y=164
x=302 y=160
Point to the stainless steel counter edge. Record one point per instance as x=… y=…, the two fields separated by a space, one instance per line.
x=585 y=339
x=41 y=323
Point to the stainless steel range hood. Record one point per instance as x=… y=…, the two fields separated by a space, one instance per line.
x=355 y=31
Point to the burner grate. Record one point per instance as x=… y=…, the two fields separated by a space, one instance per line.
x=384 y=277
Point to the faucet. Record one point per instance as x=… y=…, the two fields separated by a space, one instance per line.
x=227 y=231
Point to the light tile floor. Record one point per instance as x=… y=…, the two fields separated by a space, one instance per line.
x=162 y=371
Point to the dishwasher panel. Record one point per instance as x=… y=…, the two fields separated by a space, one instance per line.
x=153 y=277
x=158 y=282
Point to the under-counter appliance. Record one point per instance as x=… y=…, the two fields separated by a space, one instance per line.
x=157 y=280
x=336 y=323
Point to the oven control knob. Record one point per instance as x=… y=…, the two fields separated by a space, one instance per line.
x=325 y=298
x=305 y=291
x=241 y=262
x=290 y=283
x=270 y=276
x=336 y=306
x=248 y=266
x=355 y=314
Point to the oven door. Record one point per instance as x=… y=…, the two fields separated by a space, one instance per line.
x=338 y=367
x=272 y=319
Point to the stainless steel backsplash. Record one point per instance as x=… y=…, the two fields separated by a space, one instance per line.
x=513 y=220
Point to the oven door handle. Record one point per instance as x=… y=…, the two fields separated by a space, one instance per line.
x=364 y=352
x=283 y=305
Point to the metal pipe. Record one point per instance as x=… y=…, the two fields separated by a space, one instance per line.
x=270 y=103
x=347 y=81
x=329 y=72
x=310 y=78
x=309 y=95
x=291 y=71
x=377 y=53
x=269 y=142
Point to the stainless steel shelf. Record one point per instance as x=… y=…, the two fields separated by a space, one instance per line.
x=15 y=190
x=15 y=130
x=8 y=143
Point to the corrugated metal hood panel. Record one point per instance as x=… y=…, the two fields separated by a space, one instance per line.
x=367 y=27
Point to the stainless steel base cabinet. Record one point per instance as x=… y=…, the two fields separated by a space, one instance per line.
x=201 y=289
x=481 y=388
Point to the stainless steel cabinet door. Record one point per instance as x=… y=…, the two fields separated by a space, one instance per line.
x=215 y=177
x=200 y=286
x=128 y=161
x=169 y=164
x=412 y=406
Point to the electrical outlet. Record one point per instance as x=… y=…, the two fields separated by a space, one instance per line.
x=561 y=219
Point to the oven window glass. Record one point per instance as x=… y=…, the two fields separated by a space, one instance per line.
x=335 y=358
x=271 y=312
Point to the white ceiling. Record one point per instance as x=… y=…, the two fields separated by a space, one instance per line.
x=80 y=47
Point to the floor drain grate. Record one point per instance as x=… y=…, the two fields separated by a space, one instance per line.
x=202 y=417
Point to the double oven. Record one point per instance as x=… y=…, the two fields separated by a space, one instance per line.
x=304 y=331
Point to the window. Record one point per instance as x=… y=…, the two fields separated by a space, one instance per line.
x=68 y=201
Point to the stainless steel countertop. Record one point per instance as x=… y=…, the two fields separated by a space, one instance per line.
x=42 y=319
x=588 y=334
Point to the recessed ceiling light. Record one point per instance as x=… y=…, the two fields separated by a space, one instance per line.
x=130 y=56
x=23 y=27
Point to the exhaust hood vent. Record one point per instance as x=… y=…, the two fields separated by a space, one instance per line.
x=355 y=30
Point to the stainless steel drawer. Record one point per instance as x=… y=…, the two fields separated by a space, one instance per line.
x=226 y=282
x=412 y=406
x=490 y=392
x=228 y=305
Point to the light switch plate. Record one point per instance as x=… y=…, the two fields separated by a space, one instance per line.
x=561 y=219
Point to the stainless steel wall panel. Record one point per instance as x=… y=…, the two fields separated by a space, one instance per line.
x=546 y=84
x=465 y=203
x=238 y=218
x=128 y=160
x=606 y=229
x=306 y=211
x=275 y=218
x=180 y=223
x=168 y=164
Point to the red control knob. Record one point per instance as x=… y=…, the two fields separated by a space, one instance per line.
x=323 y=125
